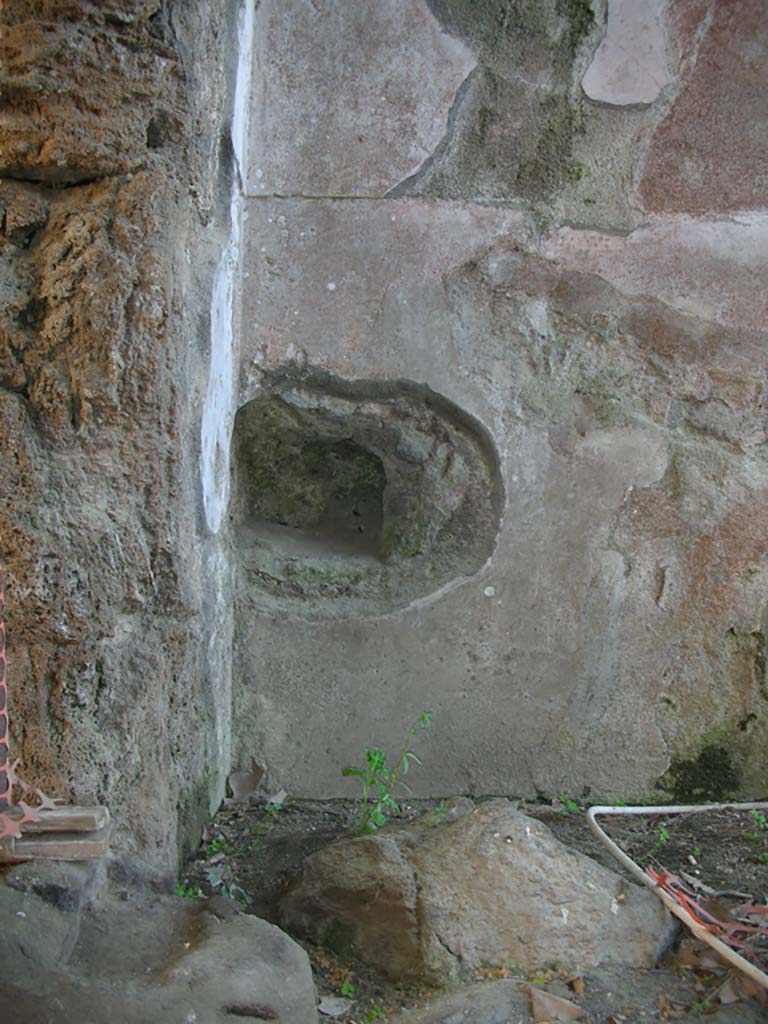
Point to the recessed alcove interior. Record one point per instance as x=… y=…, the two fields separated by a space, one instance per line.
x=357 y=497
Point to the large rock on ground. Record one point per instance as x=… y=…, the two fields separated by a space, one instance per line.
x=494 y=888
x=66 y=886
x=496 y=1002
x=34 y=934
x=149 y=959
x=244 y=968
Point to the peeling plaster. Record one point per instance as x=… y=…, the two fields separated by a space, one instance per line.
x=219 y=408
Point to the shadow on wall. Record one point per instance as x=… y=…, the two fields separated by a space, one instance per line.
x=355 y=498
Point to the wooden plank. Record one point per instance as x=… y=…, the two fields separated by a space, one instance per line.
x=56 y=846
x=68 y=819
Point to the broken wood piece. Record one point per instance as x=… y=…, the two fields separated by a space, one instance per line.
x=68 y=819
x=56 y=846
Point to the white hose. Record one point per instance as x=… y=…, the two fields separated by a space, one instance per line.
x=671 y=904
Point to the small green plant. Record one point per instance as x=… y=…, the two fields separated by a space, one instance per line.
x=702 y=1007
x=760 y=834
x=375 y=1013
x=662 y=839
x=265 y=824
x=379 y=782
x=347 y=988
x=439 y=813
x=569 y=806
x=223 y=879
x=218 y=845
x=189 y=892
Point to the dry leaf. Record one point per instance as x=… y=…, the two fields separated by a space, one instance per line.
x=332 y=1006
x=727 y=992
x=549 y=1009
x=243 y=783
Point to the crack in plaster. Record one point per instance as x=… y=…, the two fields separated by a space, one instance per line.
x=399 y=190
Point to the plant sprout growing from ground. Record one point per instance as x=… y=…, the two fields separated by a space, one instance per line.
x=266 y=823
x=439 y=814
x=569 y=806
x=760 y=833
x=224 y=879
x=379 y=782
x=189 y=892
x=662 y=839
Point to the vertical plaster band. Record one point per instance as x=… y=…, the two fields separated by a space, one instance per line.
x=219 y=408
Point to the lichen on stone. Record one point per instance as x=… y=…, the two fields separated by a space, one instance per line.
x=710 y=776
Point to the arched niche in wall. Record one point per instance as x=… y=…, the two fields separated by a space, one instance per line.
x=355 y=498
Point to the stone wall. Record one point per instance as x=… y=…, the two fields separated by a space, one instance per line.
x=551 y=215
x=363 y=358
x=116 y=177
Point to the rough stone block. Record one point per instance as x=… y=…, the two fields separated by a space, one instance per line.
x=631 y=64
x=244 y=967
x=710 y=153
x=493 y=888
x=340 y=103
x=66 y=886
x=34 y=932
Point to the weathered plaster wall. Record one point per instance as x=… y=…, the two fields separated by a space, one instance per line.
x=502 y=264
x=577 y=260
x=115 y=195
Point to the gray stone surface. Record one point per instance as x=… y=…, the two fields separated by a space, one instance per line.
x=613 y=639
x=118 y=693
x=619 y=378
x=493 y=888
x=358 y=289
x=499 y=1002
x=356 y=499
x=332 y=81
x=149 y=959
x=705 y=269
x=244 y=967
x=67 y=886
x=514 y=125
x=33 y=933
x=618 y=993
x=631 y=63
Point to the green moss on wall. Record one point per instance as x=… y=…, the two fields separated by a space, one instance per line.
x=710 y=776
x=550 y=164
x=581 y=18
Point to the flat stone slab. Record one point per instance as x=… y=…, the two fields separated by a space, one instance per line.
x=34 y=933
x=498 y=1002
x=705 y=269
x=67 y=886
x=361 y=286
x=347 y=98
x=630 y=65
x=244 y=968
x=710 y=153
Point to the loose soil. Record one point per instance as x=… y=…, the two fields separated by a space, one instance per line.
x=251 y=856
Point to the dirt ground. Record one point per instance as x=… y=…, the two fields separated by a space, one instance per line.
x=250 y=853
